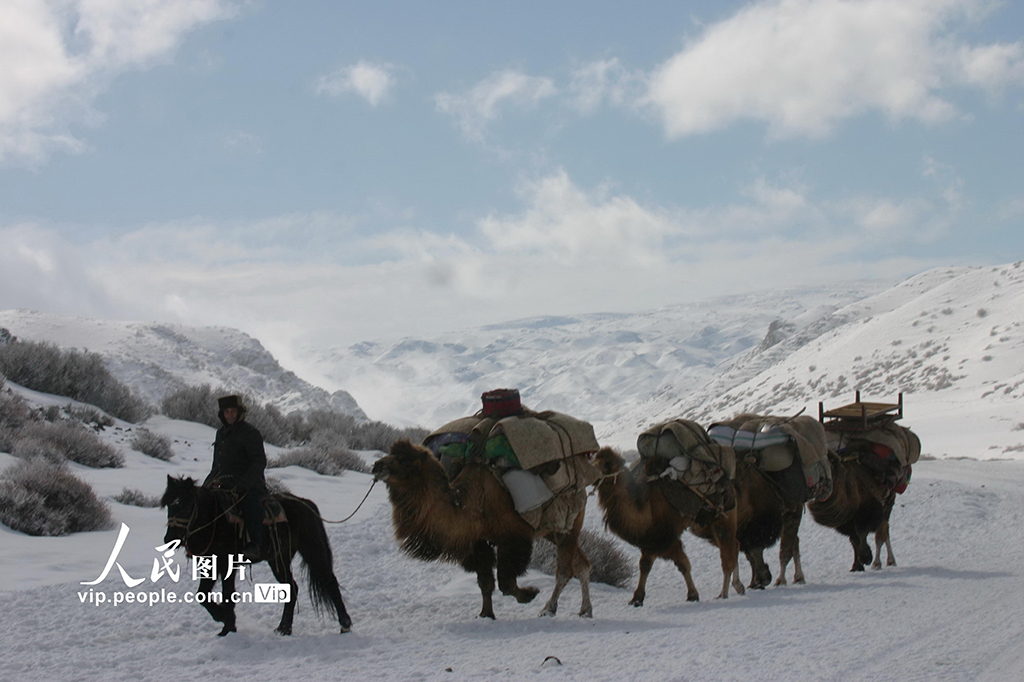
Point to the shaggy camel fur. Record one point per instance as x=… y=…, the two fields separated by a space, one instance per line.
x=472 y=521
x=859 y=504
x=639 y=513
x=764 y=514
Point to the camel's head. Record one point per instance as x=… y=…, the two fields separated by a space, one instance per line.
x=608 y=461
x=404 y=461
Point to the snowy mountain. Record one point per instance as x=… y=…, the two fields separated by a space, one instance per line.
x=158 y=359
x=594 y=367
x=951 y=339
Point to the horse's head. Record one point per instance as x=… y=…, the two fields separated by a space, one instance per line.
x=180 y=500
x=406 y=461
x=608 y=461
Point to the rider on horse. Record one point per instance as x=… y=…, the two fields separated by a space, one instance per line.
x=238 y=463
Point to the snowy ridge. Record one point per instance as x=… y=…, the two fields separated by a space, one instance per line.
x=594 y=367
x=158 y=359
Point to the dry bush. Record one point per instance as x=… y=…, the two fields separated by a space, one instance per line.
x=71 y=373
x=153 y=444
x=326 y=461
x=608 y=564
x=41 y=498
x=66 y=440
x=137 y=498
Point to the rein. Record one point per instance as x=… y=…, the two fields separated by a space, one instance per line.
x=177 y=522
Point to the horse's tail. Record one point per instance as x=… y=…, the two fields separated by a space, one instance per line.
x=317 y=557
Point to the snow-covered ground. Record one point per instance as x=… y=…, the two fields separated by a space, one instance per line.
x=952 y=610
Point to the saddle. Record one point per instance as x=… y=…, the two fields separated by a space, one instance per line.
x=227 y=499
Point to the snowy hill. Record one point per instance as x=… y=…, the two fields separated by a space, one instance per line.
x=591 y=366
x=158 y=359
x=951 y=339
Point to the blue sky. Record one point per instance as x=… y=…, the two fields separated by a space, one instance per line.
x=322 y=172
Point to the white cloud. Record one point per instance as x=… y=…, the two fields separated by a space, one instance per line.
x=55 y=57
x=370 y=81
x=570 y=225
x=593 y=83
x=475 y=109
x=993 y=67
x=802 y=66
x=321 y=278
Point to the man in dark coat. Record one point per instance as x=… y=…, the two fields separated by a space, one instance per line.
x=238 y=463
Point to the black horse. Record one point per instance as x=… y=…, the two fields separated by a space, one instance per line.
x=193 y=517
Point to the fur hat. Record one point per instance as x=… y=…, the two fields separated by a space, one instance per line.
x=234 y=401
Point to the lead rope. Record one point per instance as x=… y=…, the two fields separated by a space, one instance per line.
x=303 y=502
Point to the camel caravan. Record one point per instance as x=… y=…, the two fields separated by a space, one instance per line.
x=481 y=489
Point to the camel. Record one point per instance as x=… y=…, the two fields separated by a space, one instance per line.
x=860 y=503
x=639 y=513
x=472 y=521
x=765 y=514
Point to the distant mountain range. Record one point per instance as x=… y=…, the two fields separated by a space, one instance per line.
x=158 y=359
x=951 y=339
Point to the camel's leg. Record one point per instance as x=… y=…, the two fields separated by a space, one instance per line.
x=789 y=546
x=646 y=561
x=760 y=574
x=728 y=551
x=861 y=550
x=513 y=560
x=481 y=562
x=581 y=568
x=682 y=562
x=568 y=564
x=882 y=537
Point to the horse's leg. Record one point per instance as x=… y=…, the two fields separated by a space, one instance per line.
x=728 y=551
x=228 y=604
x=513 y=557
x=677 y=555
x=789 y=546
x=760 y=574
x=282 y=569
x=481 y=562
x=213 y=607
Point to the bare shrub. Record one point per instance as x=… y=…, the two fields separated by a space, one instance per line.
x=152 y=444
x=76 y=374
x=137 y=498
x=89 y=415
x=68 y=440
x=332 y=461
x=193 y=404
x=608 y=564
x=277 y=487
x=41 y=498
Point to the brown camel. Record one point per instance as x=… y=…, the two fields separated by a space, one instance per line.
x=639 y=513
x=860 y=503
x=472 y=521
x=765 y=514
